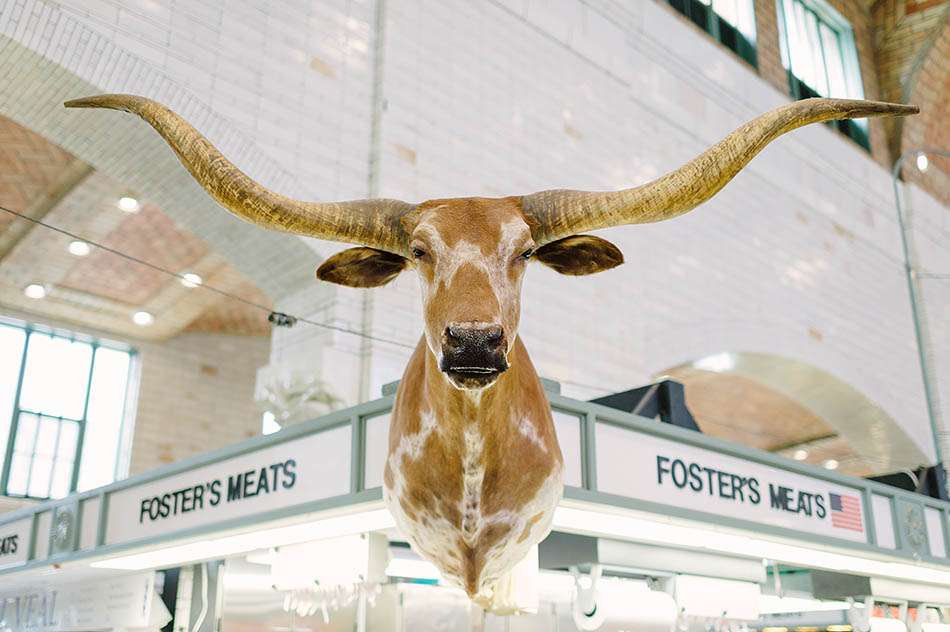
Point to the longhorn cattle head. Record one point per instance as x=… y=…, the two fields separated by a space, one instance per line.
x=471 y=253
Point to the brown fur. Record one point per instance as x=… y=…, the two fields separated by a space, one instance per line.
x=580 y=255
x=471 y=269
x=361 y=267
x=469 y=254
x=516 y=461
x=514 y=466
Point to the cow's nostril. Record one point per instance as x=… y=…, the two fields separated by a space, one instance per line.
x=493 y=336
x=475 y=337
x=454 y=335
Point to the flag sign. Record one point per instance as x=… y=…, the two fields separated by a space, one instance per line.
x=846 y=512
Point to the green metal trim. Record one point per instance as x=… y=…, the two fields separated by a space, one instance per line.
x=15 y=421
x=239 y=524
x=327 y=422
x=589 y=451
x=589 y=415
x=946 y=531
x=34 y=528
x=868 y=517
x=356 y=457
x=102 y=520
x=77 y=458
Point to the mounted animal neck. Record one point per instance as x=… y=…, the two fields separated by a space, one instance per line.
x=474 y=470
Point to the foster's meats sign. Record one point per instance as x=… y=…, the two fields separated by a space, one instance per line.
x=651 y=468
x=279 y=476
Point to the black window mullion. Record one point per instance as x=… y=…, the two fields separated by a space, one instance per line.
x=705 y=17
x=712 y=23
x=798 y=88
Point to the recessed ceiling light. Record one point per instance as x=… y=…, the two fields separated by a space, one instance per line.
x=800 y=455
x=190 y=279
x=34 y=290
x=78 y=248
x=830 y=464
x=143 y=319
x=129 y=204
x=922 y=161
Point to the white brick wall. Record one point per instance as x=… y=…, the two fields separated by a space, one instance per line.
x=503 y=97
x=196 y=394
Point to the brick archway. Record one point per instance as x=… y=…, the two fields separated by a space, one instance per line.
x=783 y=405
x=929 y=88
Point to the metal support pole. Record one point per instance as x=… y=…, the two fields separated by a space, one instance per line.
x=913 y=290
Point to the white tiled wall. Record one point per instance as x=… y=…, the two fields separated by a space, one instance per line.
x=511 y=96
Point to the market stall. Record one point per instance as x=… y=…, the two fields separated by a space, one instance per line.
x=659 y=526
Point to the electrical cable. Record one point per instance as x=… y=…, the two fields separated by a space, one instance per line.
x=210 y=288
x=278 y=318
x=274 y=316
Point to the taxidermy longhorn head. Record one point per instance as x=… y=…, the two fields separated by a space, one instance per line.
x=474 y=469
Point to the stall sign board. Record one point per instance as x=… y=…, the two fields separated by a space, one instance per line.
x=15 y=542
x=668 y=472
x=120 y=603
x=279 y=476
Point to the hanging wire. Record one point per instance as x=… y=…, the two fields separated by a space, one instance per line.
x=276 y=318
x=280 y=319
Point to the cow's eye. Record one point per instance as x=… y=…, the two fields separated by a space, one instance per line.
x=418 y=253
x=526 y=254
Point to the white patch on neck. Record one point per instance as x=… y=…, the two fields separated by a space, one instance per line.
x=411 y=444
x=473 y=474
x=473 y=395
x=437 y=540
x=530 y=432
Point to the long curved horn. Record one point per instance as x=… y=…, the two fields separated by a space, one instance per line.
x=561 y=213
x=373 y=223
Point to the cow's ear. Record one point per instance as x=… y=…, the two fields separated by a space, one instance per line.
x=361 y=267
x=579 y=254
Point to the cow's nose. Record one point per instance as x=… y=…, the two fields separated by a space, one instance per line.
x=474 y=337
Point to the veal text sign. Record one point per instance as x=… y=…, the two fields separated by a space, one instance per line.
x=647 y=467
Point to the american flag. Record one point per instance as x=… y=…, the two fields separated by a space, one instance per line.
x=846 y=512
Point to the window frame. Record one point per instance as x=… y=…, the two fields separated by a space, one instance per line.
x=851 y=67
x=712 y=27
x=29 y=329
